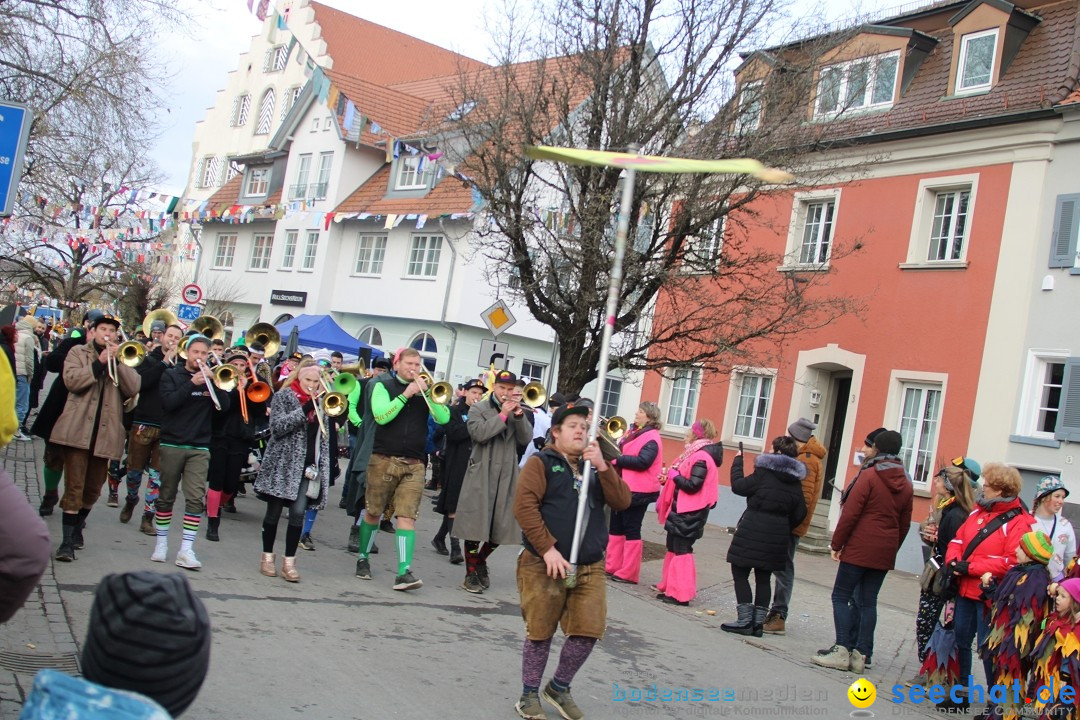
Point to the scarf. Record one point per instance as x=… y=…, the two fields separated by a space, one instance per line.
x=303 y=397
x=633 y=431
x=988 y=504
x=690 y=449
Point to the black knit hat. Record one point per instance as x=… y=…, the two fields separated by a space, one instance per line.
x=872 y=435
x=889 y=442
x=149 y=634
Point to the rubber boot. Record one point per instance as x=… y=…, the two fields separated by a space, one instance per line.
x=630 y=570
x=661 y=586
x=613 y=559
x=760 y=613
x=682 y=585
x=744 y=625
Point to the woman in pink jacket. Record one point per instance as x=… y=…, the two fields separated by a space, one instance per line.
x=690 y=491
x=640 y=464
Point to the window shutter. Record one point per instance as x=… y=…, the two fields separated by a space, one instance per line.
x=1066 y=225
x=1068 y=425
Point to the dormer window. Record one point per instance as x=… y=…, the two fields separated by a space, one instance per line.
x=257 y=182
x=976 y=66
x=749 y=110
x=862 y=84
x=410 y=174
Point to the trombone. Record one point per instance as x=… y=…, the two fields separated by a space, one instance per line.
x=534 y=394
x=130 y=353
x=334 y=402
x=440 y=393
x=608 y=435
x=258 y=391
x=209 y=383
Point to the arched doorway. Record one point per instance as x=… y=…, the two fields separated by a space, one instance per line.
x=429 y=350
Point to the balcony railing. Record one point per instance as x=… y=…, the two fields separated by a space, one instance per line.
x=318 y=190
x=298 y=192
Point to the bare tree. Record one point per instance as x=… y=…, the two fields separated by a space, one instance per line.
x=219 y=294
x=623 y=74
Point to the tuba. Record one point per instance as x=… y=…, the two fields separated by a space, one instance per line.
x=266 y=335
x=163 y=315
x=209 y=326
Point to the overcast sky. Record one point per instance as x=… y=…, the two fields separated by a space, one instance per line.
x=222 y=29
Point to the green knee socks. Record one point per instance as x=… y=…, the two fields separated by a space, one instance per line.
x=406 y=540
x=52 y=479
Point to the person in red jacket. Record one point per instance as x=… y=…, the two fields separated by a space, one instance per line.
x=994 y=554
x=873 y=524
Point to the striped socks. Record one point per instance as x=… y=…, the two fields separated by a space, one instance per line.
x=367 y=538
x=191 y=529
x=406 y=539
x=162 y=521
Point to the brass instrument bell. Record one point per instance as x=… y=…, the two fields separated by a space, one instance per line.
x=334 y=404
x=209 y=326
x=266 y=335
x=225 y=377
x=534 y=394
x=163 y=315
x=131 y=353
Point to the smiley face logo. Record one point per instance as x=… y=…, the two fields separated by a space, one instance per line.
x=862 y=693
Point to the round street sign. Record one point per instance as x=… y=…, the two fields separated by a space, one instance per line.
x=192 y=294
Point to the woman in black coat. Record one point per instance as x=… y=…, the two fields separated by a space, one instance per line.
x=455 y=463
x=774 y=507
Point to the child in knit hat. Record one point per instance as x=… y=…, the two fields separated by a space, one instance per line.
x=1056 y=657
x=1018 y=605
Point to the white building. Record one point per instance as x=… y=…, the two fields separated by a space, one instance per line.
x=327 y=211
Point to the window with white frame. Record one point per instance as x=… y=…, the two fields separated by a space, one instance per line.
x=752 y=409
x=288 y=257
x=609 y=399
x=425 y=344
x=682 y=387
x=328 y=123
x=258 y=182
x=326 y=161
x=1040 y=401
x=919 y=421
x=370 y=335
x=311 y=249
x=266 y=112
x=863 y=84
x=370 y=251
x=275 y=59
x=702 y=252
x=950 y=225
x=316 y=123
x=288 y=99
x=413 y=172
x=533 y=370
x=260 y=252
x=211 y=171
x=815 y=231
x=424 y=256
x=303 y=170
x=224 y=252
x=750 y=107
x=975 y=67
x=241 y=110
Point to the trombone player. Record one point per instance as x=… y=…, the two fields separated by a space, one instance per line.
x=485 y=509
x=144 y=438
x=188 y=402
x=91 y=426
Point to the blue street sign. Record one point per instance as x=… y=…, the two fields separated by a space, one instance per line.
x=187 y=313
x=14 y=131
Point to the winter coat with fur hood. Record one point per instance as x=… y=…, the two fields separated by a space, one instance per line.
x=774 y=508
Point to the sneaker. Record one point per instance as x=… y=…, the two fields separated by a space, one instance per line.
x=114 y=500
x=562 y=702
x=472 y=584
x=857 y=662
x=65 y=553
x=482 y=575
x=837 y=658
x=529 y=707
x=363 y=569
x=161 y=550
x=407 y=581
x=187 y=560
x=774 y=624
x=306 y=542
x=77 y=541
x=241 y=491
x=22 y=436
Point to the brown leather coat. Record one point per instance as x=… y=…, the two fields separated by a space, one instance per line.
x=811 y=453
x=88 y=385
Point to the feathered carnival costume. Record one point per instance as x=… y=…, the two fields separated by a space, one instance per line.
x=1056 y=661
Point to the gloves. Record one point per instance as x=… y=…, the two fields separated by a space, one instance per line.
x=959 y=567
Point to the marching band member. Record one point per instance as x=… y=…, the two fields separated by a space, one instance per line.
x=455 y=463
x=356 y=470
x=286 y=369
x=396 y=469
x=188 y=400
x=230 y=443
x=295 y=471
x=91 y=426
x=545 y=505
x=485 y=508
x=144 y=437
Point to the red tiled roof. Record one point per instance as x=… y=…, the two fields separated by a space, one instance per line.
x=399 y=114
x=366 y=51
x=449 y=196
x=1039 y=74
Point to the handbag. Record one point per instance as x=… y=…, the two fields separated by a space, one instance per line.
x=935 y=578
